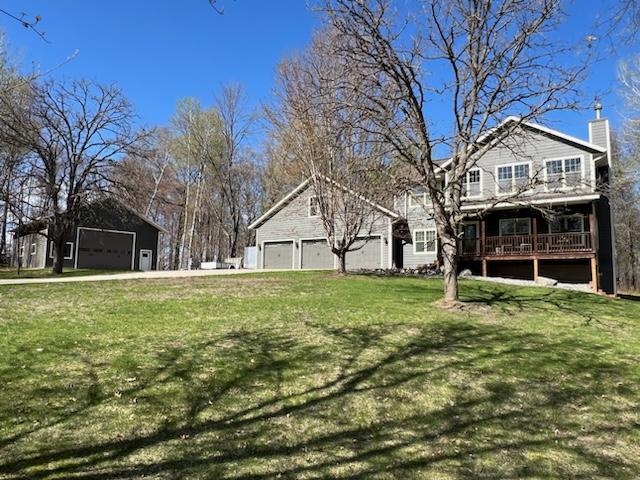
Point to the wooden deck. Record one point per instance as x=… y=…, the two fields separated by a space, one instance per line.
x=520 y=247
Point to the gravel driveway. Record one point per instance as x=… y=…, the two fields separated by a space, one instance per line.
x=130 y=276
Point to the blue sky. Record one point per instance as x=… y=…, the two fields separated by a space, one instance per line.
x=164 y=50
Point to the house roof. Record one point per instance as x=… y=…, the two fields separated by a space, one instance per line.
x=539 y=128
x=41 y=223
x=302 y=187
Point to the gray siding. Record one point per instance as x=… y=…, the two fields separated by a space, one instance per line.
x=292 y=222
x=28 y=259
x=533 y=148
x=598 y=132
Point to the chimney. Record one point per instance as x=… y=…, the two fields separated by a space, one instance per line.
x=599 y=133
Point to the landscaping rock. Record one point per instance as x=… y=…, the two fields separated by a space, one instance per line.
x=546 y=281
x=465 y=273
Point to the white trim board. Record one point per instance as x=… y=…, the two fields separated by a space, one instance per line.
x=524 y=203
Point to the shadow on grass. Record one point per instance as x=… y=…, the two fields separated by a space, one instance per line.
x=453 y=398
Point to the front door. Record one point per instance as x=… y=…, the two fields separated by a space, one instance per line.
x=471 y=238
x=145 y=260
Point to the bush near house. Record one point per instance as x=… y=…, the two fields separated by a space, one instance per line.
x=313 y=375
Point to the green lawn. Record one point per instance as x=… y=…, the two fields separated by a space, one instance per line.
x=312 y=375
x=6 y=273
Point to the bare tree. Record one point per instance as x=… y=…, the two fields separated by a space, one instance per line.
x=492 y=58
x=322 y=127
x=237 y=123
x=75 y=133
x=625 y=188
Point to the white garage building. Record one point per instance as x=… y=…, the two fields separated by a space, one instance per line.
x=290 y=236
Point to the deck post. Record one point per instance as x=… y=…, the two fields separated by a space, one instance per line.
x=484 y=267
x=594 y=275
x=592 y=231
x=535 y=268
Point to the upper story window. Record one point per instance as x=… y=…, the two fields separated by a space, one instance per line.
x=472 y=184
x=34 y=248
x=515 y=226
x=512 y=178
x=566 y=224
x=314 y=207
x=564 y=173
x=21 y=254
x=424 y=241
x=418 y=197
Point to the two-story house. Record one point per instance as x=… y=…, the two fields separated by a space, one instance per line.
x=535 y=207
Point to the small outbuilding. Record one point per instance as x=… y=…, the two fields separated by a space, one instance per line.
x=108 y=236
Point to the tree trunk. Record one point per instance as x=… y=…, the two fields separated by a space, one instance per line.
x=58 y=248
x=342 y=262
x=450 y=260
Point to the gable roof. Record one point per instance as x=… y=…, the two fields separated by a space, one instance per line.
x=541 y=129
x=41 y=223
x=302 y=187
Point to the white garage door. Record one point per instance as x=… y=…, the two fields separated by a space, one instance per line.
x=367 y=257
x=104 y=249
x=278 y=255
x=316 y=254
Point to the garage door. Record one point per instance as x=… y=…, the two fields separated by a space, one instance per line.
x=108 y=250
x=367 y=257
x=316 y=254
x=278 y=255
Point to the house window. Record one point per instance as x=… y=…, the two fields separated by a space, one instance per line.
x=68 y=250
x=34 y=248
x=418 y=197
x=564 y=173
x=566 y=224
x=21 y=254
x=515 y=226
x=472 y=184
x=314 y=207
x=424 y=241
x=513 y=178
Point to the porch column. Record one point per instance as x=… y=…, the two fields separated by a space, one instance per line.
x=592 y=231
x=594 y=275
x=482 y=248
x=535 y=242
x=535 y=268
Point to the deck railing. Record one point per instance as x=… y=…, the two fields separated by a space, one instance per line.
x=509 y=245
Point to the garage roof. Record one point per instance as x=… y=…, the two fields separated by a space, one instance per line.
x=302 y=187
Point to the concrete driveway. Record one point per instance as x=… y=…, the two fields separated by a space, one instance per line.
x=130 y=276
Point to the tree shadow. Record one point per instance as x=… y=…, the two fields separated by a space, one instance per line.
x=325 y=400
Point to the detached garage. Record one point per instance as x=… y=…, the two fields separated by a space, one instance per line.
x=109 y=236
